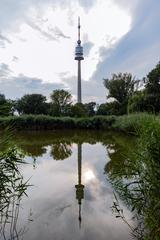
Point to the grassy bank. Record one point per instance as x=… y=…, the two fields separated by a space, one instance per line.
x=128 y=123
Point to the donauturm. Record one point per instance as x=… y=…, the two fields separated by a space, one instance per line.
x=79 y=57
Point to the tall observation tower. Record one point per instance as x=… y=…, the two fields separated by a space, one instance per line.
x=79 y=57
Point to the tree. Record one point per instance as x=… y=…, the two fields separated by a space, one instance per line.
x=61 y=102
x=153 y=88
x=2 y=99
x=111 y=108
x=78 y=110
x=121 y=86
x=102 y=109
x=90 y=108
x=5 y=106
x=61 y=151
x=137 y=102
x=32 y=104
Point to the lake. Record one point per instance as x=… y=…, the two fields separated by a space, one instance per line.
x=70 y=194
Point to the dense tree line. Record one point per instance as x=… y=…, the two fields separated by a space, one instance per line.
x=60 y=105
x=124 y=96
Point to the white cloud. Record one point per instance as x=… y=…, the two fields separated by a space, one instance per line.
x=44 y=34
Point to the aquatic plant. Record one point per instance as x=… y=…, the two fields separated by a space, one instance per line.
x=12 y=186
x=137 y=182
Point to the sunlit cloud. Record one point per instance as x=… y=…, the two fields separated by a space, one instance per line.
x=51 y=38
x=89 y=175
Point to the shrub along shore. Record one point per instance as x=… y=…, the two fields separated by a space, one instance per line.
x=126 y=123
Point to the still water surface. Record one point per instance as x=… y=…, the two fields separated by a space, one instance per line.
x=70 y=196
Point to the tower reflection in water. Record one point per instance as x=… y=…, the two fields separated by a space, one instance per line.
x=79 y=187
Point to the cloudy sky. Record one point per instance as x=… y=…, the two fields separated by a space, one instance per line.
x=38 y=37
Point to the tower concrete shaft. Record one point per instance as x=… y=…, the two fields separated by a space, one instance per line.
x=79 y=57
x=79 y=94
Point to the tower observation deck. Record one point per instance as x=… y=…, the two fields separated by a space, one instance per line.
x=79 y=57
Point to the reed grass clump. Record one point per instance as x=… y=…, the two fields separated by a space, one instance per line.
x=127 y=123
x=133 y=122
x=44 y=122
x=138 y=181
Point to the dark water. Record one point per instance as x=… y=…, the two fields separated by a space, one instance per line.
x=70 y=196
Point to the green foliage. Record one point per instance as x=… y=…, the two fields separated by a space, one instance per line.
x=131 y=123
x=90 y=108
x=61 y=101
x=153 y=81
x=121 y=87
x=6 y=109
x=5 y=106
x=78 y=110
x=10 y=177
x=138 y=181
x=111 y=108
x=137 y=102
x=12 y=186
x=61 y=151
x=2 y=99
x=127 y=123
x=153 y=89
x=102 y=109
x=44 y=122
x=32 y=104
x=149 y=99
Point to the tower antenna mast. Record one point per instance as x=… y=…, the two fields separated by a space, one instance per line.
x=79 y=32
